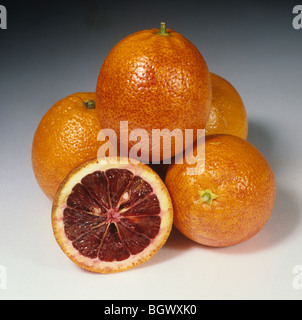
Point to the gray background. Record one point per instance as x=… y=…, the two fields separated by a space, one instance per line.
x=55 y=48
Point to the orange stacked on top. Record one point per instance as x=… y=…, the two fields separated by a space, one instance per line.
x=154 y=79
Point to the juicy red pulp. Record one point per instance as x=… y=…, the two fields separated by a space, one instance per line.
x=111 y=215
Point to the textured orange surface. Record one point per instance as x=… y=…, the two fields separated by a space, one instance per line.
x=228 y=114
x=65 y=137
x=244 y=187
x=154 y=82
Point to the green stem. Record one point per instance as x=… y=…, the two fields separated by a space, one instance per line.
x=163 y=31
x=207 y=196
x=90 y=104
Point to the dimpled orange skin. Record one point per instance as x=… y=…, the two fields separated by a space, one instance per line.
x=65 y=137
x=241 y=178
x=154 y=82
x=228 y=114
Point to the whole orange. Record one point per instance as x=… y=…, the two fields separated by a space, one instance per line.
x=154 y=79
x=228 y=114
x=230 y=201
x=65 y=137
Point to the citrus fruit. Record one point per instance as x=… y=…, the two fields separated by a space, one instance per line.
x=230 y=201
x=154 y=79
x=228 y=114
x=109 y=217
x=65 y=137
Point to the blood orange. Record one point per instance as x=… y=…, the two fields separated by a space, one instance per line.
x=228 y=114
x=231 y=200
x=66 y=137
x=111 y=217
x=154 y=79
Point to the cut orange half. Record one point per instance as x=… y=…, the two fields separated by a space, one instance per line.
x=109 y=217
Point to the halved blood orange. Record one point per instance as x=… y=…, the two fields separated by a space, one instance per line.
x=110 y=217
